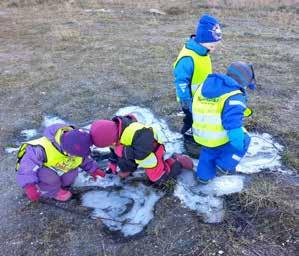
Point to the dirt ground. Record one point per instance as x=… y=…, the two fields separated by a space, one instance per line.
x=82 y=60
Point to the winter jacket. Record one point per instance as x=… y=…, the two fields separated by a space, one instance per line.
x=184 y=70
x=143 y=143
x=233 y=111
x=35 y=156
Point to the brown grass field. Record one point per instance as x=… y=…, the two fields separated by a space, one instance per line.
x=82 y=60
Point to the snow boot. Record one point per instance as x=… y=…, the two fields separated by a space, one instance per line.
x=63 y=195
x=184 y=160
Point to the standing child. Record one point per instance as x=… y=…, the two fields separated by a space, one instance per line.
x=193 y=64
x=135 y=145
x=46 y=166
x=219 y=107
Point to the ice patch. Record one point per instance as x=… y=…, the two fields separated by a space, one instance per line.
x=263 y=152
x=28 y=134
x=85 y=180
x=128 y=209
x=11 y=150
x=49 y=120
x=206 y=200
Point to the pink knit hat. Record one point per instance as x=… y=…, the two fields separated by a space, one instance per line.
x=103 y=133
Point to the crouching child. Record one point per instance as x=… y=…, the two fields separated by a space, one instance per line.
x=133 y=145
x=219 y=107
x=47 y=166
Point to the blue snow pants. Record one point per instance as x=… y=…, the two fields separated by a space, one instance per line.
x=224 y=158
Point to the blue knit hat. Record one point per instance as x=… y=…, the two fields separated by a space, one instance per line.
x=208 y=30
x=242 y=73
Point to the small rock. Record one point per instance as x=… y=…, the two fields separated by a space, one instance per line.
x=220 y=252
x=156 y=11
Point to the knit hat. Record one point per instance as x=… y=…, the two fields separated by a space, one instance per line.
x=76 y=142
x=103 y=133
x=208 y=30
x=242 y=73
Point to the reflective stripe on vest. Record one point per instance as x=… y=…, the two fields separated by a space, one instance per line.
x=207 y=122
x=202 y=67
x=127 y=138
x=55 y=159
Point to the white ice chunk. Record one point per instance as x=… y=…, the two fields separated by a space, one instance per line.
x=29 y=133
x=128 y=210
x=208 y=206
x=85 y=180
x=262 y=153
x=224 y=185
x=11 y=150
x=49 y=120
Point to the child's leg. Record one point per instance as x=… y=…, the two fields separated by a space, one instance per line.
x=188 y=120
x=206 y=169
x=49 y=182
x=69 y=178
x=229 y=157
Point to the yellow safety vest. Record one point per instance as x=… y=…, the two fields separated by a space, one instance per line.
x=207 y=122
x=56 y=160
x=202 y=67
x=127 y=138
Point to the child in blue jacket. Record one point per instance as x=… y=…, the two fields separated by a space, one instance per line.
x=193 y=64
x=219 y=107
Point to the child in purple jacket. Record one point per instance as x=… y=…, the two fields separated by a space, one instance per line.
x=46 y=166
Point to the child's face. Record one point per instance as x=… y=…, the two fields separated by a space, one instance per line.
x=211 y=46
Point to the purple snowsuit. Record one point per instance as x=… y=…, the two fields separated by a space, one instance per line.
x=32 y=171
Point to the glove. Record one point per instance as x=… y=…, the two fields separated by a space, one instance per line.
x=98 y=173
x=184 y=160
x=32 y=192
x=119 y=150
x=236 y=138
x=111 y=168
x=124 y=174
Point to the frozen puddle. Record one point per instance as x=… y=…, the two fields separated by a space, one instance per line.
x=128 y=208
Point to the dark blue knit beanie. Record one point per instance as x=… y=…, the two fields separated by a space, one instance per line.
x=208 y=30
x=242 y=73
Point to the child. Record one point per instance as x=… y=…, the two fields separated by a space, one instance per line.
x=49 y=164
x=193 y=64
x=219 y=106
x=133 y=144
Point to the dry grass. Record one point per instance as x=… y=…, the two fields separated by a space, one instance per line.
x=63 y=60
x=265 y=193
x=159 y=3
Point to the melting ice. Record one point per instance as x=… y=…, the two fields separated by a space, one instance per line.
x=129 y=208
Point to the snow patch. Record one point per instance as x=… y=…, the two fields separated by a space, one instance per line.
x=28 y=134
x=129 y=208
x=49 y=120
x=11 y=150
x=263 y=152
